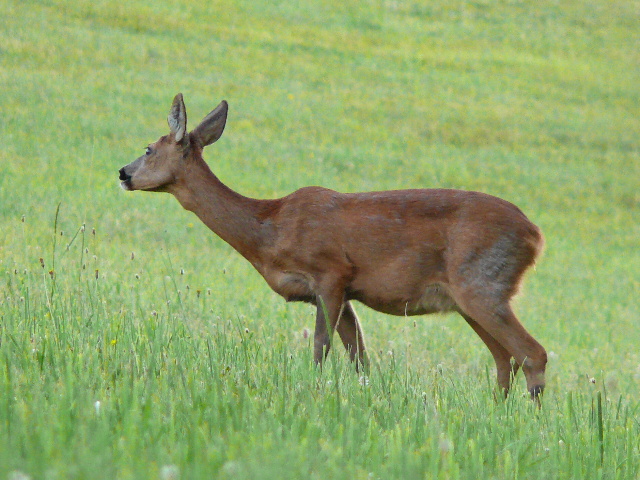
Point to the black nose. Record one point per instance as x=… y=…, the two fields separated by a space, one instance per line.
x=123 y=175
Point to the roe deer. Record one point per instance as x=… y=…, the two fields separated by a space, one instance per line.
x=402 y=252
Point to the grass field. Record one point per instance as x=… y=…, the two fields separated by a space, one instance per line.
x=136 y=344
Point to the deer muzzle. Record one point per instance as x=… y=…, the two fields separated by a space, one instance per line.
x=125 y=179
x=124 y=176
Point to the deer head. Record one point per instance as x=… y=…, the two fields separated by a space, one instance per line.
x=163 y=162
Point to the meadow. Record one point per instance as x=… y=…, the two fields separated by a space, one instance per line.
x=134 y=343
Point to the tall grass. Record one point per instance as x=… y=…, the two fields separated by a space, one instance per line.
x=95 y=385
x=135 y=344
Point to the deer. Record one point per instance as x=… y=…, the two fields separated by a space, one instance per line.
x=399 y=252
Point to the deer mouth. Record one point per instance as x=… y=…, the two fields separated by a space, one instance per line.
x=125 y=180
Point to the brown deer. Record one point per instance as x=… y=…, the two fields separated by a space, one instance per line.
x=401 y=252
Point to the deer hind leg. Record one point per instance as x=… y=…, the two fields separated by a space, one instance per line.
x=484 y=282
x=503 y=326
x=505 y=370
x=351 y=335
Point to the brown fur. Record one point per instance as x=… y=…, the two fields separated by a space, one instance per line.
x=403 y=252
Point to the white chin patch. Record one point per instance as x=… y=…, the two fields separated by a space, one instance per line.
x=125 y=186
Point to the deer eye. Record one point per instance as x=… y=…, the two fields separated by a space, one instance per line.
x=148 y=151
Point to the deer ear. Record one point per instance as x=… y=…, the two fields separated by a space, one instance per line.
x=178 y=118
x=212 y=126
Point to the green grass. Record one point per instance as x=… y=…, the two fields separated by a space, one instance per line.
x=198 y=368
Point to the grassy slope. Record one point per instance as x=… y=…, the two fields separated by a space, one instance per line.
x=537 y=105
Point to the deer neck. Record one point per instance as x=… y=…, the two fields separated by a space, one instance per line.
x=238 y=220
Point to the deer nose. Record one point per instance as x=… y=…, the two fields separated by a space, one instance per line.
x=124 y=176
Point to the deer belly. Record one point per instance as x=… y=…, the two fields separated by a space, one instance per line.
x=433 y=298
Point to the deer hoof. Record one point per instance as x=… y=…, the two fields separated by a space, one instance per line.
x=536 y=391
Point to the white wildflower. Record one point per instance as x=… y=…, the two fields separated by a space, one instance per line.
x=169 y=472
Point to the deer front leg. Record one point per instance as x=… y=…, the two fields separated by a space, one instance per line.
x=351 y=335
x=329 y=308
